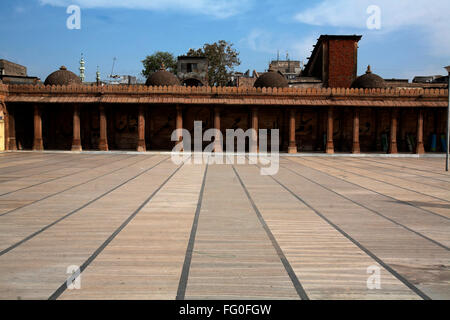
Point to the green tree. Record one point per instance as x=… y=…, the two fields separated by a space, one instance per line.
x=153 y=63
x=222 y=58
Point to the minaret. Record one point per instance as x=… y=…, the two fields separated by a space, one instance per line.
x=82 y=68
x=97 y=76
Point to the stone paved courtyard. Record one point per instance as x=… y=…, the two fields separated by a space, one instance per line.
x=142 y=227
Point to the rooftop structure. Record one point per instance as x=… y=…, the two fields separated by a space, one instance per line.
x=192 y=71
x=271 y=79
x=14 y=73
x=62 y=77
x=162 y=78
x=369 y=80
x=291 y=69
x=334 y=60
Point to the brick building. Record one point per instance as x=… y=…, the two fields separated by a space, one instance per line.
x=345 y=113
x=14 y=73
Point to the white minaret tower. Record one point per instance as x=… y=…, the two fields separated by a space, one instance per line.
x=97 y=76
x=82 y=68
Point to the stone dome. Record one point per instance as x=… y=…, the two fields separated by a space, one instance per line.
x=62 y=77
x=162 y=78
x=369 y=80
x=271 y=79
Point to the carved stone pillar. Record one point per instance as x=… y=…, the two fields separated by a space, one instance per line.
x=292 y=143
x=419 y=147
x=179 y=125
x=150 y=128
x=11 y=142
x=254 y=144
x=356 y=147
x=330 y=143
x=285 y=131
x=103 y=142
x=393 y=140
x=76 y=139
x=38 y=144
x=218 y=141
x=141 y=147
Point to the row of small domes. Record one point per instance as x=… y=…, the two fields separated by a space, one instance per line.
x=162 y=77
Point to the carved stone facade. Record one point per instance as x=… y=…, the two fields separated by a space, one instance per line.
x=143 y=118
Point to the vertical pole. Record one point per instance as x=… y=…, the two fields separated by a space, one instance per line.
x=218 y=142
x=76 y=139
x=254 y=144
x=141 y=147
x=356 y=147
x=330 y=143
x=12 y=143
x=377 y=144
x=448 y=126
x=3 y=127
x=292 y=143
x=38 y=143
x=285 y=137
x=319 y=135
x=179 y=125
x=393 y=141
x=151 y=127
x=419 y=144
x=103 y=143
x=111 y=138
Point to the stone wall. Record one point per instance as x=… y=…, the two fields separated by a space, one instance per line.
x=12 y=69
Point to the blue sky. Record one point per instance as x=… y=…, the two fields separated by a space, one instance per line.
x=414 y=38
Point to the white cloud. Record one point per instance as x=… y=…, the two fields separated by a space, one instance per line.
x=215 y=8
x=303 y=47
x=261 y=40
x=424 y=17
x=395 y=13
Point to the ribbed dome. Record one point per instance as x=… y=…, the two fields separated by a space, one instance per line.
x=271 y=79
x=62 y=77
x=369 y=80
x=162 y=78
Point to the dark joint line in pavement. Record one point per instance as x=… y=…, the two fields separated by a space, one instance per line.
x=287 y=266
x=77 y=210
x=409 y=168
x=412 y=168
x=394 y=185
x=359 y=245
x=371 y=210
x=181 y=292
x=72 y=187
x=374 y=170
x=381 y=194
x=83 y=267
x=54 y=179
x=40 y=173
x=24 y=166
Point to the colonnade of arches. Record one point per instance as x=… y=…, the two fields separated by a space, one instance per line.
x=80 y=127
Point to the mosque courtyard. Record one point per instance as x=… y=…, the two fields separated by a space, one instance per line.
x=139 y=226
